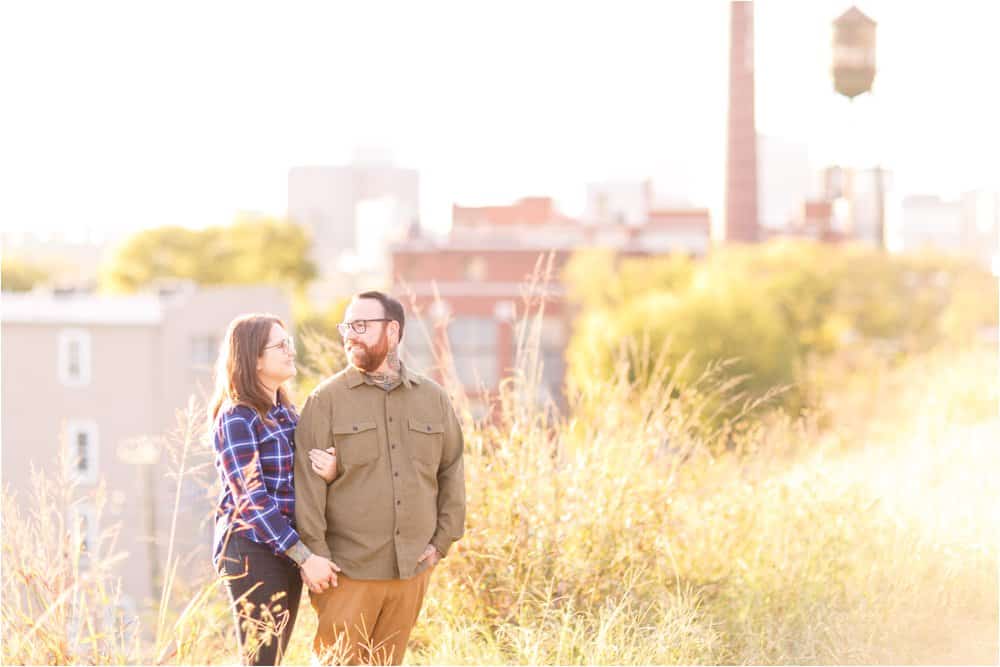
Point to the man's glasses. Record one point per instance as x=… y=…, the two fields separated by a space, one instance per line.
x=287 y=345
x=358 y=326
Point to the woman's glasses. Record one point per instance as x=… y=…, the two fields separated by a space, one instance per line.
x=287 y=345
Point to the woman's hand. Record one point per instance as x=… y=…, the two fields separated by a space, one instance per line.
x=319 y=573
x=324 y=463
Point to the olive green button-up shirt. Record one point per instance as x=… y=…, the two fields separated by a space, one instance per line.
x=400 y=479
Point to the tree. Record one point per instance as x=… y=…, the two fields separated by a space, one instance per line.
x=258 y=250
x=318 y=343
x=20 y=276
x=773 y=308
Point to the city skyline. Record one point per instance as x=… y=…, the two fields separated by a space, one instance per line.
x=130 y=129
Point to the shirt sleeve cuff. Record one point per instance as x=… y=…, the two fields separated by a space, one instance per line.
x=298 y=552
x=442 y=545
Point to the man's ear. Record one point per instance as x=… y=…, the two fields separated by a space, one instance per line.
x=394 y=327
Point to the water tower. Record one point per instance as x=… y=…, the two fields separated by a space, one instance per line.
x=853 y=70
x=853 y=53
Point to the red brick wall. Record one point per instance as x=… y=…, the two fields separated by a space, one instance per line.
x=448 y=265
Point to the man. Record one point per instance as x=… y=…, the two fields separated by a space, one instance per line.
x=398 y=502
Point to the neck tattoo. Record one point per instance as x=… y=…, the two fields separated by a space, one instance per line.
x=392 y=361
x=386 y=379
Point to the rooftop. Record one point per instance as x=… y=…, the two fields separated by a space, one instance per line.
x=146 y=309
x=49 y=308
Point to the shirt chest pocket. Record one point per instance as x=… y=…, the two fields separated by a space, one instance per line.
x=424 y=441
x=356 y=443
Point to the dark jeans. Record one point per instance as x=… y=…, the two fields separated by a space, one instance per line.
x=265 y=590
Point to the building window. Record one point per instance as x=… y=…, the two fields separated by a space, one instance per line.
x=74 y=357
x=204 y=350
x=554 y=341
x=81 y=455
x=473 y=343
x=475 y=269
x=83 y=527
x=505 y=311
x=121 y=622
x=479 y=409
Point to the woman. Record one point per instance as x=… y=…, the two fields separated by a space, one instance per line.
x=256 y=548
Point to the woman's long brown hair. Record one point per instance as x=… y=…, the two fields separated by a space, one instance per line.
x=236 y=380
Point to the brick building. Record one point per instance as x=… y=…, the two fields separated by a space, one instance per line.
x=480 y=273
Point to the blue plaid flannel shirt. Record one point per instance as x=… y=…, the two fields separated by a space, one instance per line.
x=255 y=464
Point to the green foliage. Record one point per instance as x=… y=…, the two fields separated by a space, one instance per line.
x=20 y=276
x=773 y=308
x=319 y=347
x=249 y=251
x=596 y=278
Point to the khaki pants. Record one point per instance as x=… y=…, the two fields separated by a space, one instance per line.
x=367 y=621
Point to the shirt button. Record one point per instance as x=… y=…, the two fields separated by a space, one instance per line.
x=394 y=445
x=396 y=474
x=399 y=502
x=390 y=418
x=397 y=531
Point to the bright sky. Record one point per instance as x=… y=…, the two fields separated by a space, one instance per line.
x=125 y=115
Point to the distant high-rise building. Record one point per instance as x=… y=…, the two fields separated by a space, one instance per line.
x=868 y=203
x=631 y=202
x=619 y=202
x=931 y=222
x=981 y=224
x=968 y=225
x=326 y=200
x=741 y=154
x=861 y=201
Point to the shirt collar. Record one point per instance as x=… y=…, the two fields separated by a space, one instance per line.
x=356 y=377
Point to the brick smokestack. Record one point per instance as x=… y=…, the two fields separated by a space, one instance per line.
x=741 y=146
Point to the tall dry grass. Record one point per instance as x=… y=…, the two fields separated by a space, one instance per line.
x=625 y=531
x=628 y=533
x=59 y=592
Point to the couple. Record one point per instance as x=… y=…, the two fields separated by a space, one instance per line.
x=358 y=498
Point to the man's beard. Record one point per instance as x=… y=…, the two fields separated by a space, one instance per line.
x=367 y=358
